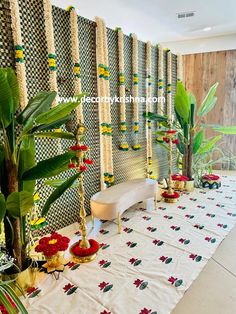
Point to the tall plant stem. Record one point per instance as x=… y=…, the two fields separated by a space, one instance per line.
x=190 y=156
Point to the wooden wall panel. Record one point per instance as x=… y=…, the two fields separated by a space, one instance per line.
x=204 y=69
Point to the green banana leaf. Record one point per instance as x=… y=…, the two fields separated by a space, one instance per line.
x=197 y=141
x=57 y=182
x=26 y=161
x=6 y=303
x=13 y=83
x=182 y=105
x=208 y=102
x=15 y=299
x=209 y=145
x=58 y=112
x=58 y=192
x=36 y=106
x=156 y=117
x=65 y=135
x=180 y=145
x=180 y=120
x=51 y=126
x=2 y=206
x=6 y=100
x=49 y=167
x=225 y=129
x=19 y=203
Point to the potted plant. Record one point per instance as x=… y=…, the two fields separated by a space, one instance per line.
x=18 y=167
x=190 y=127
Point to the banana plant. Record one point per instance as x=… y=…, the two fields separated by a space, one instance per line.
x=18 y=167
x=191 y=130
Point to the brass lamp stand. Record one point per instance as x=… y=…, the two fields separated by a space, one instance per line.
x=170 y=196
x=86 y=249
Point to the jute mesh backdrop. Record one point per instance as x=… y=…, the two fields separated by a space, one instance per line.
x=127 y=165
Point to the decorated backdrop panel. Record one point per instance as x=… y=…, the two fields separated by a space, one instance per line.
x=127 y=165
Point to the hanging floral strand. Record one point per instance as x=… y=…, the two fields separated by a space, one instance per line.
x=179 y=68
x=52 y=58
x=149 y=109
x=123 y=124
x=76 y=59
x=169 y=85
x=107 y=178
x=19 y=52
x=136 y=145
x=160 y=80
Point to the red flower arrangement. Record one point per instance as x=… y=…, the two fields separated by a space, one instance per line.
x=82 y=252
x=50 y=246
x=171 y=131
x=71 y=166
x=211 y=177
x=82 y=168
x=83 y=148
x=88 y=161
x=179 y=177
x=174 y=195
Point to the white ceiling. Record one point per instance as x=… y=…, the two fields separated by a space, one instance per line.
x=156 y=20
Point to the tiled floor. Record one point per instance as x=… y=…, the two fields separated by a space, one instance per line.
x=214 y=291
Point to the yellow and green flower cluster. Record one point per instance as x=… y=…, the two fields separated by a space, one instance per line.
x=168 y=88
x=136 y=147
x=160 y=139
x=109 y=179
x=19 y=53
x=135 y=79
x=77 y=70
x=123 y=127
x=149 y=161
x=121 y=79
x=124 y=147
x=38 y=223
x=136 y=127
x=160 y=84
x=149 y=80
x=106 y=129
x=149 y=124
x=52 y=62
x=103 y=71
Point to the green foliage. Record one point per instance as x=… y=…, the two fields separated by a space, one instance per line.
x=51 y=126
x=49 y=167
x=2 y=207
x=65 y=135
x=209 y=145
x=6 y=289
x=225 y=129
x=197 y=141
x=209 y=101
x=19 y=203
x=58 y=112
x=58 y=192
x=36 y=106
x=182 y=104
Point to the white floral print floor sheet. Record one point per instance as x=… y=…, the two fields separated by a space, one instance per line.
x=147 y=268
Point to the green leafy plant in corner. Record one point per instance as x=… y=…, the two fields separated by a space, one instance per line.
x=191 y=130
x=18 y=167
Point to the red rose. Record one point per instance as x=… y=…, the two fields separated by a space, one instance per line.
x=71 y=166
x=88 y=161
x=50 y=251
x=82 y=168
x=40 y=248
x=44 y=240
x=65 y=240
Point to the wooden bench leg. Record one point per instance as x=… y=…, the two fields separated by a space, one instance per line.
x=92 y=217
x=119 y=223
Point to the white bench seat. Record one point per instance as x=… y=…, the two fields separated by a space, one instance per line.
x=112 y=202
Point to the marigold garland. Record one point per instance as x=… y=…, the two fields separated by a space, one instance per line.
x=123 y=125
x=149 y=109
x=107 y=178
x=19 y=52
x=136 y=145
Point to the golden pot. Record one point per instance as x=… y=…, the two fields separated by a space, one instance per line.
x=24 y=279
x=189 y=186
x=178 y=185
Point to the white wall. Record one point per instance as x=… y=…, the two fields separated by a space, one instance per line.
x=218 y=43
